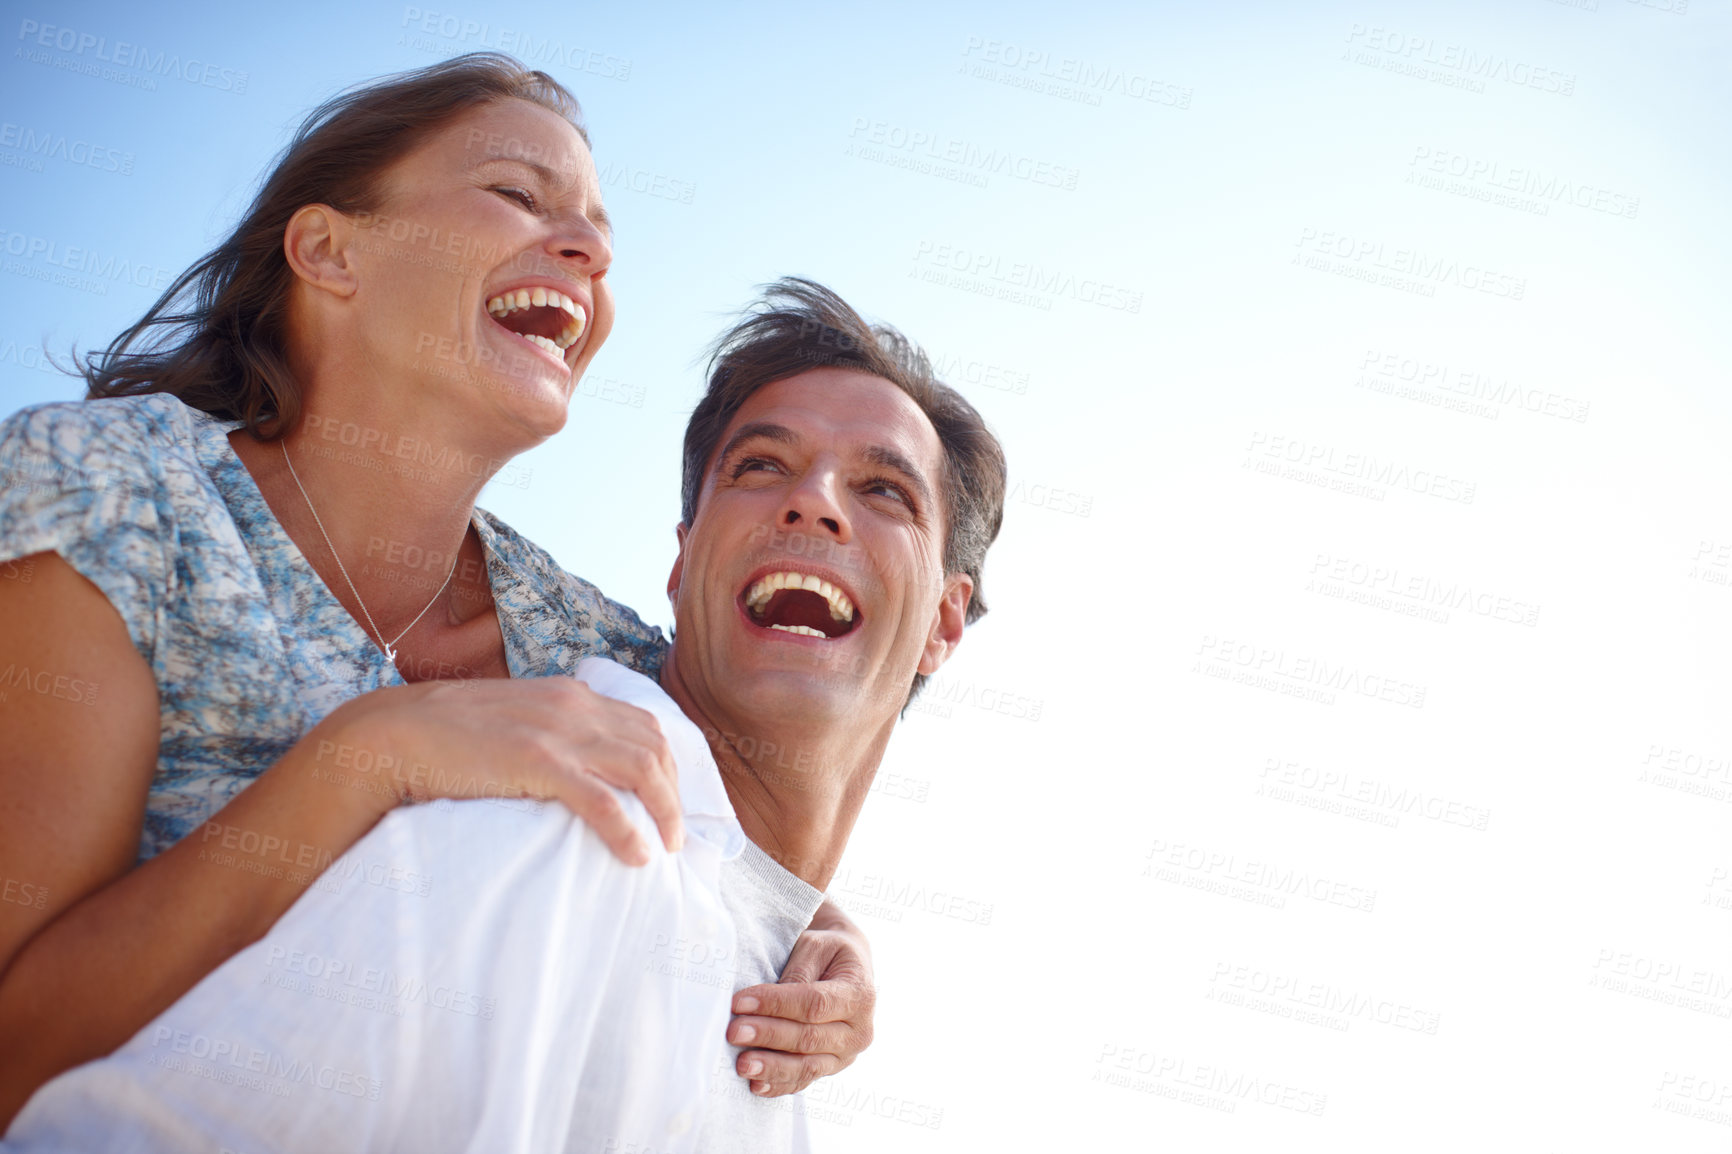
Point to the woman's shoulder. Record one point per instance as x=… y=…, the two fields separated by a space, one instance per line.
x=570 y=616
x=118 y=437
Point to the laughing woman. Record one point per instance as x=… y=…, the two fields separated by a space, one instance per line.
x=251 y=580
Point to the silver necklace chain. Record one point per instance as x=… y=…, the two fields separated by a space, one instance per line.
x=390 y=647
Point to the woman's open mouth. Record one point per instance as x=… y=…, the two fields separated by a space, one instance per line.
x=544 y=317
x=800 y=603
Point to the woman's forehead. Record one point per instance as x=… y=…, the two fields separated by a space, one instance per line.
x=512 y=131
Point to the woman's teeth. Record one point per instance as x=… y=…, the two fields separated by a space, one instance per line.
x=505 y=304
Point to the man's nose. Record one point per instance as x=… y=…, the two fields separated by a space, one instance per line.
x=813 y=505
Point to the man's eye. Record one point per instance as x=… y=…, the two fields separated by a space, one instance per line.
x=890 y=489
x=753 y=464
x=521 y=196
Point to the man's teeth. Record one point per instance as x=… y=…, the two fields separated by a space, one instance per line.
x=802 y=630
x=505 y=304
x=841 y=609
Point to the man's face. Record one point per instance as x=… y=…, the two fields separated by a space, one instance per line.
x=829 y=479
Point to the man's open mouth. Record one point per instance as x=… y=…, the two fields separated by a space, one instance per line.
x=541 y=316
x=800 y=603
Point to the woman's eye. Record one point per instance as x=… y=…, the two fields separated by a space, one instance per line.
x=521 y=196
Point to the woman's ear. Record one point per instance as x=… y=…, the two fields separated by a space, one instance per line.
x=316 y=243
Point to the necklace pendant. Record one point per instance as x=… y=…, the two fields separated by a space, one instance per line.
x=390 y=655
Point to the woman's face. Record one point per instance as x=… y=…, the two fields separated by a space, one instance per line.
x=484 y=268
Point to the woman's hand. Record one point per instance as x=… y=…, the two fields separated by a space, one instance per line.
x=817 y=1019
x=549 y=737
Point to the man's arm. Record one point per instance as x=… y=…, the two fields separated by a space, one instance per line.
x=817 y=1019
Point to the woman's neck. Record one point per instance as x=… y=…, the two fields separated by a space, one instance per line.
x=383 y=516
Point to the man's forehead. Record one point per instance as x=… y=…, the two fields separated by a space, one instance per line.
x=844 y=409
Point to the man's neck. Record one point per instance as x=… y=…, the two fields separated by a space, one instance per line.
x=796 y=790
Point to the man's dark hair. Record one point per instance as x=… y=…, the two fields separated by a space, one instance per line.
x=798 y=325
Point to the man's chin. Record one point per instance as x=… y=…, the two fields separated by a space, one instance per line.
x=793 y=697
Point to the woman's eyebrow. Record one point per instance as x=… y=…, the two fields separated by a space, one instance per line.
x=560 y=181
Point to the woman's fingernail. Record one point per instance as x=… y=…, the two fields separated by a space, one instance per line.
x=754 y=1068
x=746 y=1033
x=760 y=1088
x=745 y=1005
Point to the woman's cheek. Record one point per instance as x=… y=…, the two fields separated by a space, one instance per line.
x=601 y=324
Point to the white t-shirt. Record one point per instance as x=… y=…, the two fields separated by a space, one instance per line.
x=480 y=976
x=770 y=909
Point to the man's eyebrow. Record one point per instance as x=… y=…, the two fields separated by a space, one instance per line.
x=888 y=458
x=880 y=455
x=767 y=430
x=553 y=178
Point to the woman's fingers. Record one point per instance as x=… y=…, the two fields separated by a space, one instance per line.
x=624 y=746
x=646 y=769
x=592 y=801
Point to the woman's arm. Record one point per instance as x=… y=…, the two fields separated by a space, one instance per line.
x=91 y=949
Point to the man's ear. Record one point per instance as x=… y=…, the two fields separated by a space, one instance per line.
x=316 y=243
x=947 y=624
x=679 y=568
